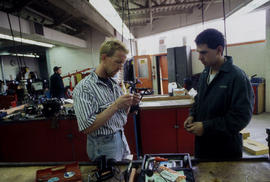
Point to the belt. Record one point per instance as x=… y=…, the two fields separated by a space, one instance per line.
x=119 y=131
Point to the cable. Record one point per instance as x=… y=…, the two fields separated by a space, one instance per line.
x=130 y=42
x=225 y=32
x=21 y=38
x=123 y=2
x=2 y=6
x=202 y=13
x=12 y=34
x=21 y=41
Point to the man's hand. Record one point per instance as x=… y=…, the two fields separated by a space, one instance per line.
x=136 y=99
x=188 y=121
x=196 y=128
x=124 y=101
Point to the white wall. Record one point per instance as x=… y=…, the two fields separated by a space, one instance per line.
x=72 y=59
x=248 y=27
x=250 y=58
x=10 y=71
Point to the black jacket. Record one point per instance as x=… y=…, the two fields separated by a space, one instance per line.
x=225 y=107
x=57 y=86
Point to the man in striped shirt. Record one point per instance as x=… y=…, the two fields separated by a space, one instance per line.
x=101 y=107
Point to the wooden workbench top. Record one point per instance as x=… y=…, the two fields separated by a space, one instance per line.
x=238 y=171
x=164 y=97
x=165 y=104
x=250 y=171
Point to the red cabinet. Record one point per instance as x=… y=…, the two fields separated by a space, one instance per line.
x=39 y=141
x=158 y=131
x=129 y=130
x=185 y=139
x=162 y=131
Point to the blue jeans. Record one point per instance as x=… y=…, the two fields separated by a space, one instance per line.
x=113 y=146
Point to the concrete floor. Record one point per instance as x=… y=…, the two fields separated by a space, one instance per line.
x=256 y=127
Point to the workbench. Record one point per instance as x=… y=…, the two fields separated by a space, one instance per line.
x=245 y=170
x=240 y=171
x=42 y=140
x=161 y=123
x=159 y=129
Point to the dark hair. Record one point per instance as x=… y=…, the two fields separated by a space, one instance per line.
x=56 y=68
x=211 y=37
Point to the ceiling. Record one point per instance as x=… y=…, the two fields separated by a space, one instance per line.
x=143 y=12
x=148 y=17
x=72 y=17
x=67 y=16
x=45 y=12
x=144 y=17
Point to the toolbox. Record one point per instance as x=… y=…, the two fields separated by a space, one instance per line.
x=175 y=161
x=64 y=173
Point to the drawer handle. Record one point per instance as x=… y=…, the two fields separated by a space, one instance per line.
x=176 y=126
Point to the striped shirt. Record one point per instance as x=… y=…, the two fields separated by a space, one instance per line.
x=91 y=97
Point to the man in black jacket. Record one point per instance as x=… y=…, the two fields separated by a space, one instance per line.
x=224 y=103
x=56 y=84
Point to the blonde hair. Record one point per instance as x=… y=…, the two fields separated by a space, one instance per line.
x=110 y=46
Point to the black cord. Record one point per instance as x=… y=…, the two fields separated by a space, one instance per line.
x=225 y=32
x=2 y=6
x=12 y=34
x=21 y=44
x=21 y=38
x=202 y=13
x=123 y=2
x=130 y=42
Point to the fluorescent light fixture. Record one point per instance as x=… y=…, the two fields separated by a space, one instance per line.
x=20 y=55
x=27 y=41
x=106 y=9
x=249 y=7
x=26 y=55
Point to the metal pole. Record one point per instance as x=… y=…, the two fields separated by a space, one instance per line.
x=202 y=14
x=3 y=75
x=123 y=11
x=151 y=14
x=225 y=31
x=130 y=41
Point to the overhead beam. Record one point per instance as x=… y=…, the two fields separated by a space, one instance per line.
x=160 y=14
x=48 y=18
x=50 y=36
x=19 y=6
x=60 y=20
x=163 y=2
x=137 y=4
x=172 y=5
x=208 y=5
x=142 y=22
x=142 y=17
x=155 y=2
